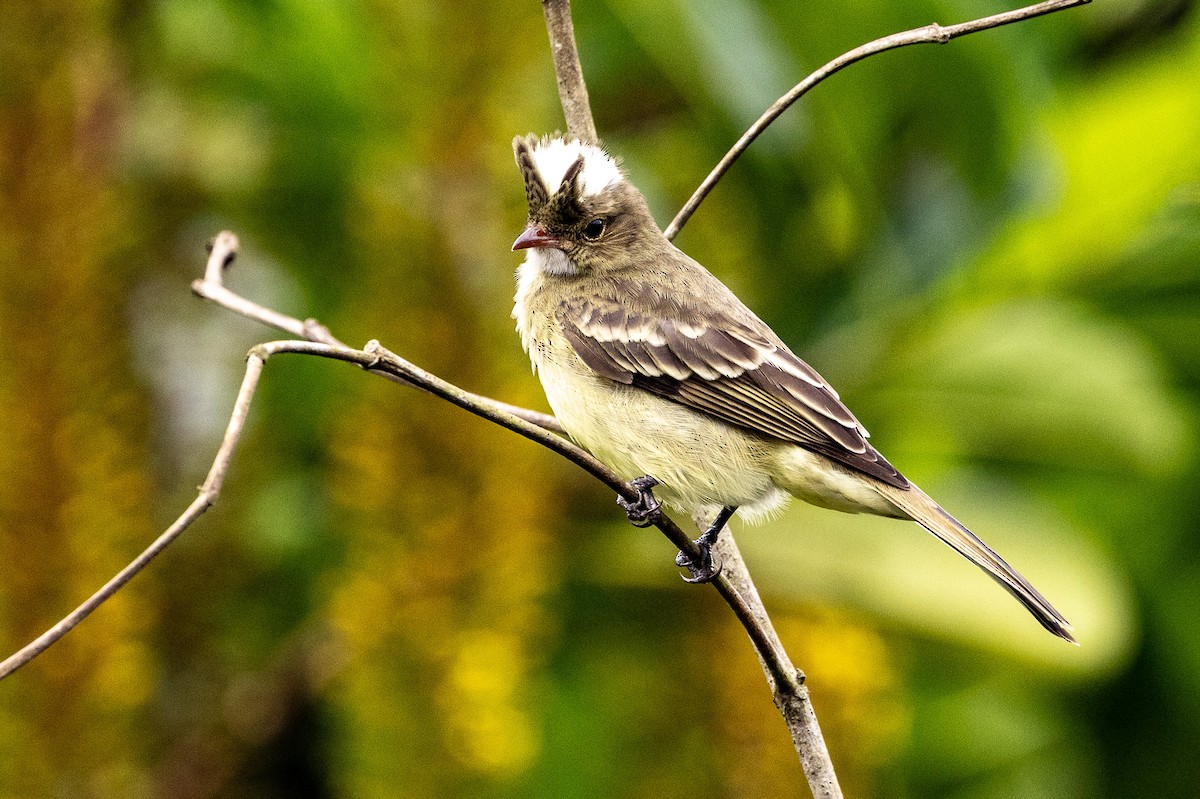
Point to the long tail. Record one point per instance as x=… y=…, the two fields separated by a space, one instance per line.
x=923 y=510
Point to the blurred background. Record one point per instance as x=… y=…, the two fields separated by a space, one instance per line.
x=991 y=248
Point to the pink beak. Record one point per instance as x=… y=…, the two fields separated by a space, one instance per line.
x=534 y=236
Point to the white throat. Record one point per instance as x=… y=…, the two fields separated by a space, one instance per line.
x=531 y=276
x=549 y=261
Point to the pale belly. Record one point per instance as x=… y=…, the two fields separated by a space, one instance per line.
x=702 y=465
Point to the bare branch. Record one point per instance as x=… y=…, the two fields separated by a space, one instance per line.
x=572 y=91
x=929 y=34
x=733 y=583
x=786 y=681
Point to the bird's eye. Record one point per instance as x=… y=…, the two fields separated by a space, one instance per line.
x=594 y=229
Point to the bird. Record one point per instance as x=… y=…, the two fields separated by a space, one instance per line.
x=656 y=368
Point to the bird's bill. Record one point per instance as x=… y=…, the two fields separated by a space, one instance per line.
x=534 y=236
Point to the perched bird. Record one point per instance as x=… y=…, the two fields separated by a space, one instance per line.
x=656 y=368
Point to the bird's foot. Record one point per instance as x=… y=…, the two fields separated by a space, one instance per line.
x=703 y=571
x=646 y=509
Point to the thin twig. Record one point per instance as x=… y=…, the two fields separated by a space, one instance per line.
x=791 y=699
x=224 y=249
x=572 y=91
x=733 y=582
x=929 y=34
x=222 y=253
x=209 y=492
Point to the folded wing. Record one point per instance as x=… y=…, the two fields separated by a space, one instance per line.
x=736 y=371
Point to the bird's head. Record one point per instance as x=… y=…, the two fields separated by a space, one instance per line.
x=584 y=216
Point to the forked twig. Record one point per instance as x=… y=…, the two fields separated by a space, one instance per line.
x=212 y=287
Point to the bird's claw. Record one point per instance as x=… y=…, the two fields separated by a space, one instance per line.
x=646 y=509
x=704 y=572
x=703 y=568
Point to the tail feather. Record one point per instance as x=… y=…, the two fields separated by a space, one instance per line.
x=923 y=510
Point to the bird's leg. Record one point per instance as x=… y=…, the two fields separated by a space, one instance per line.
x=646 y=509
x=706 y=571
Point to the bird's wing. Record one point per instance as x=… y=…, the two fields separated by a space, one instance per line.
x=729 y=369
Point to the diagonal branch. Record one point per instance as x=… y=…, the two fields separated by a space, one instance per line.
x=380 y=361
x=929 y=34
x=734 y=584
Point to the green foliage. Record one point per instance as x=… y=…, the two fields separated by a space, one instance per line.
x=991 y=248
